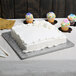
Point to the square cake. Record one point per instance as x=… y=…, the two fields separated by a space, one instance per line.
x=38 y=35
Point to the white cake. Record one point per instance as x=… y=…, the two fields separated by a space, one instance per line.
x=37 y=36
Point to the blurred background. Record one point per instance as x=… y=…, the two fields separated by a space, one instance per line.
x=39 y=8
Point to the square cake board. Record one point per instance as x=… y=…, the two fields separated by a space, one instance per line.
x=22 y=55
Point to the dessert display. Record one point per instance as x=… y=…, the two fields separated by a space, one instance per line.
x=38 y=35
x=72 y=18
x=6 y=24
x=29 y=18
x=51 y=17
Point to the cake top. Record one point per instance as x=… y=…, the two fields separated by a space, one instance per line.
x=72 y=17
x=29 y=15
x=33 y=33
x=51 y=15
x=65 y=23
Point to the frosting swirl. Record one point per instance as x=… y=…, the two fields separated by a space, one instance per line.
x=29 y=16
x=65 y=23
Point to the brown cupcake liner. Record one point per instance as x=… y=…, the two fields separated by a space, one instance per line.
x=55 y=21
x=26 y=22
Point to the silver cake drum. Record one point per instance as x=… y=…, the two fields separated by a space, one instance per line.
x=7 y=36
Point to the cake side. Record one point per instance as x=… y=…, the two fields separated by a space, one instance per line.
x=35 y=37
x=18 y=40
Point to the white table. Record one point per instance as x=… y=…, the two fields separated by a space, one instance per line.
x=66 y=54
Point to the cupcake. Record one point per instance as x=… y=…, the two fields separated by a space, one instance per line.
x=51 y=17
x=29 y=18
x=72 y=18
x=65 y=25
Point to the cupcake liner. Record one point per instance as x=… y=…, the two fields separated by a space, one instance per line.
x=72 y=23
x=26 y=22
x=55 y=21
x=69 y=30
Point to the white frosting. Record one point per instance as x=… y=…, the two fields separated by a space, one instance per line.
x=37 y=36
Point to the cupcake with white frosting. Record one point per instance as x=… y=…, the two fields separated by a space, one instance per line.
x=51 y=17
x=29 y=17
